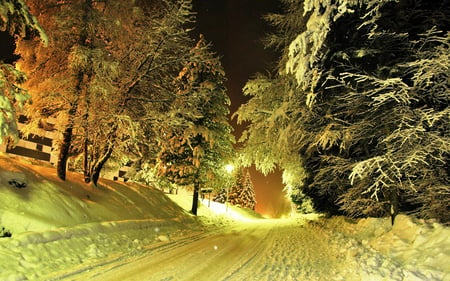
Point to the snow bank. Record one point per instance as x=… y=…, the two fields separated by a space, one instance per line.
x=410 y=250
x=44 y=202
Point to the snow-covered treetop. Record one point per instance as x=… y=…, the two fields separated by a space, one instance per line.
x=308 y=49
x=15 y=17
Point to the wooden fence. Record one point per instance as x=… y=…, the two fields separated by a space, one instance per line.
x=41 y=147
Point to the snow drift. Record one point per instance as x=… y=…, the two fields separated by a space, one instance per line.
x=32 y=198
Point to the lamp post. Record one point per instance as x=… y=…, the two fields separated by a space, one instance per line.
x=229 y=168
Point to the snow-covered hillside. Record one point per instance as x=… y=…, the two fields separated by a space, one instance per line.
x=71 y=231
x=56 y=224
x=34 y=199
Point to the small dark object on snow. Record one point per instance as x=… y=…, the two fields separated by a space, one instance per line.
x=5 y=233
x=17 y=183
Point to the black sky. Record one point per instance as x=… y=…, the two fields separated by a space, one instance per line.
x=235 y=27
x=7 y=48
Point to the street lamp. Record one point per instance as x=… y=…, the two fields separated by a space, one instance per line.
x=229 y=168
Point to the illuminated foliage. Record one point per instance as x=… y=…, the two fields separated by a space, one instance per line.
x=242 y=194
x=194 y=152
x=67 y=77
x=12 y=98
x=221 y=196
x=149 y=63
x=106 y=77
x=16 y=19
x=361 y=96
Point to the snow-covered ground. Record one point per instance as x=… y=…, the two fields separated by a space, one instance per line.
x=70 y=231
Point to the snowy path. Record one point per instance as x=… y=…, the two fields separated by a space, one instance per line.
x=262 y=250
x=272 y=250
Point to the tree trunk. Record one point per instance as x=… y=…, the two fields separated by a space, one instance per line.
x=195 y=198
x=64 y=153
x=393 y=198
x=64 y=148
x=86 y=168
x=95 y=174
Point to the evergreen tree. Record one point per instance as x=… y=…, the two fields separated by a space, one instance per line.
x=242 y=193
x=194 y=152
x=148 y=89
x=248 y=195
x=16 y=19
x=12 y=100
x=270 y=137
x=363 y=102
x=221 y=197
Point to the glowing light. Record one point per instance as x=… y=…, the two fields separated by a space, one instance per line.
x=229 y=168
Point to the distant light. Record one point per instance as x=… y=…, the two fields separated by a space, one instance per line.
x=229 y=168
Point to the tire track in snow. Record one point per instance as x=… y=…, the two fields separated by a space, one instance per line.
x=208 y=258
x=292 y=252
x=86 y=271
x=272 y=251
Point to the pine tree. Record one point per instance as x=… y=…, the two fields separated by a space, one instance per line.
x=362 y=106
x=194 y=152
x=12 y=99
x=221 y=196
x=146 y=92
x=269 y=136
x=70 y=76
x=243 y=193
x=16 y=19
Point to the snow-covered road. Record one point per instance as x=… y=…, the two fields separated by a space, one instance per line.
x=266 y=250
x=258 y=249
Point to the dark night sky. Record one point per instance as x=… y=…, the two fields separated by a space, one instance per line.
x=235 y=28
x=6 y=47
